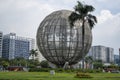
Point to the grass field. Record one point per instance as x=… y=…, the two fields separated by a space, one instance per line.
x=57 y=76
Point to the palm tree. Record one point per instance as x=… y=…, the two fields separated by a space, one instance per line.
x=33 y=53
x=82 y=13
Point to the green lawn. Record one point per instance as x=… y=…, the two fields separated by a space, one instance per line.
x=57 y=76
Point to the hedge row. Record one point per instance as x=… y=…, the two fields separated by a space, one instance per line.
x=65 y=70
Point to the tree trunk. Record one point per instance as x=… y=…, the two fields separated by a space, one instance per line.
x=33 y=57
x=83 y=34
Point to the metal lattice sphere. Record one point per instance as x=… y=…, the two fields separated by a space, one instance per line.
x=59 y=43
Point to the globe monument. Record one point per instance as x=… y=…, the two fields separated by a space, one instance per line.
x=59 y=43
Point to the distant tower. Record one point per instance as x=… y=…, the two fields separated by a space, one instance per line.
x=103 y=53
x=119 y=56
x=1 y=38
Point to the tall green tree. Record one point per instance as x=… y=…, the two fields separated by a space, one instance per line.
x=5 y=64
x=44 y=64
x=98 y=64
x=33 y=63
x=82 y=13
x=19 y=61
x=33 y=53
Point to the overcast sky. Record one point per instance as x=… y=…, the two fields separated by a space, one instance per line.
x=24 y=16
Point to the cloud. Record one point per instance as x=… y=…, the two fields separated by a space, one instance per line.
x=24 y=16
x=107 y=30
x=104 y=16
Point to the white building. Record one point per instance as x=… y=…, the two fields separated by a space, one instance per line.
x=106 y=54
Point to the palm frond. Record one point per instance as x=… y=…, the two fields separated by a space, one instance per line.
x=81 y=12
x=89 y=8
x=72 y=18
x=92 y=17
x=91 y=23
x=91 y=20
x=79 y=7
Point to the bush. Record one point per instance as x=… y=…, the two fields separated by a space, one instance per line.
x=39 y=69
x=98 y=71
x=59 y=70
x=65 y=70
x=82 y=75
x=88 y=70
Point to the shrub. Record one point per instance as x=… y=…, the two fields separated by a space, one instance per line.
x=89 y=70
x=39 y=69
x=98 y=71
x=82 y=75
x=59 y=70
x=65 y=70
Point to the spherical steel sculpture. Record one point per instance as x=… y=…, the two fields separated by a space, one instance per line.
x=58 y=42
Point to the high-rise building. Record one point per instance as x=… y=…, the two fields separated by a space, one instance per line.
x=32 y=43
x=16 y=46
x=116 y=59
x=106 y=54
x=1 y=38
x=109 y=55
